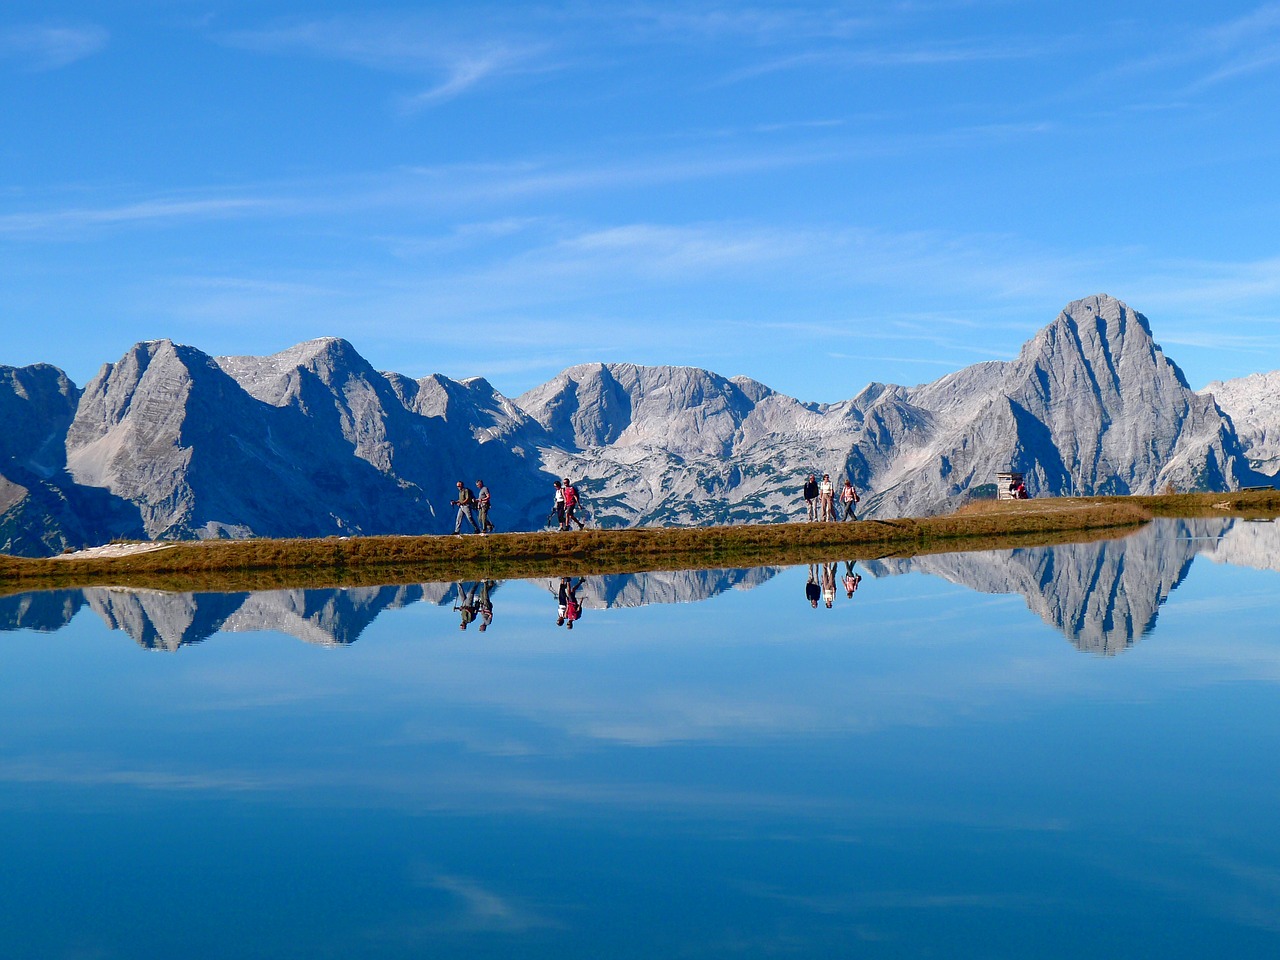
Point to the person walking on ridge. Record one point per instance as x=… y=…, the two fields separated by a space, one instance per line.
x=482 y=507
x=571 y=502
x=465 y=504
x=558 y=505
x=848 y=496
x=811 y=497
x=827 y=498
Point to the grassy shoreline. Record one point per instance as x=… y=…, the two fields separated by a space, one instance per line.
x=359 y=561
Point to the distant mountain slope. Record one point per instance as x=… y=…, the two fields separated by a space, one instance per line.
x=1091 y=405
x=312 y=441
x=1253 y=404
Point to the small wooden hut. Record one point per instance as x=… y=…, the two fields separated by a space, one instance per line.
x=1005 y=482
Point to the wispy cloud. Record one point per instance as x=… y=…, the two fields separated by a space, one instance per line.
x=411 y=46
x=49 y=47
x=70 y=222
x=889 y=55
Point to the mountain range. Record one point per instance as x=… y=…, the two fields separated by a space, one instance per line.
x=169 y=442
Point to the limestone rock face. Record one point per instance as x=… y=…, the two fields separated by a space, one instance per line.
x=42 y=509
x=308 y=442
x=1253 y=404
x=1090 y=406
x=312 y=441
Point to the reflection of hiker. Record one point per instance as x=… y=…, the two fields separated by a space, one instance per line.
x=829 y=584
x=465 y=502
x=826 y=498
x=851 y=579
x=571 y=501
x=484 y=605
x=811 y=496
x=573 y=606
x=558 y=505
x=466 y=605
x=811 y=591
x=482 y=507
x=848 y=496
x=570 y=607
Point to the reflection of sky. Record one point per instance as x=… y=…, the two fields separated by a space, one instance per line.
x=921 y=768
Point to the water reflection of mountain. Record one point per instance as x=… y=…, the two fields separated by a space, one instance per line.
x=167 y=621
x=1105 y=595
x=671 y=586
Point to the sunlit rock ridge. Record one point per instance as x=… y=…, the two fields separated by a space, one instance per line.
x=1253 y=404
x=169 y=442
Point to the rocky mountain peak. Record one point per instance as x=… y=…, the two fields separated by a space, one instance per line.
x=313 y=441
x=1253 y=404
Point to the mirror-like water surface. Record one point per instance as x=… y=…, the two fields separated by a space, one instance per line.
x=921 y=768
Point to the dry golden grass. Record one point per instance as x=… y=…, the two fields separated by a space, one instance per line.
x=264 y=564
x=241 y=564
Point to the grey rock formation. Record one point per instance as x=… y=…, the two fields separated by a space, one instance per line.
x=312 y=441
x=1253 y=404
x=1091 y=405
x=42 y=508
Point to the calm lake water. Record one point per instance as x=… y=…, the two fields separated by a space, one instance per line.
x=1054 y=752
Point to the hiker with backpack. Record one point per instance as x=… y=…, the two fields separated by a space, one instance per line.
x=483 y=502
x=571 y=501
x=466 y=504
x=848 y=496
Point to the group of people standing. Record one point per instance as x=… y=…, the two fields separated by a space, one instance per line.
x=469 y=504
x=566 y=503
x=821 y=584
x=820 y=498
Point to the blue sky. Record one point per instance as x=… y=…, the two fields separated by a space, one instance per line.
x=815 y=195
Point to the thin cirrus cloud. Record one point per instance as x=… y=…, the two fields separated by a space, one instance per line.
x=64 y=223
x=50 y=47
x=411 y=47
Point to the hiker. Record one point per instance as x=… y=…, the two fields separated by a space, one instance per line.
x=484 y=604
x=466 y=605
x=465 y=502
x=571 y=501
x=811 y=496
x=848 y=496
x=482 y=507
x=558 y=505
x=826 y=498
x=811 y=591
x=829 y=584
x=1020 y=491
x=851 y=579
